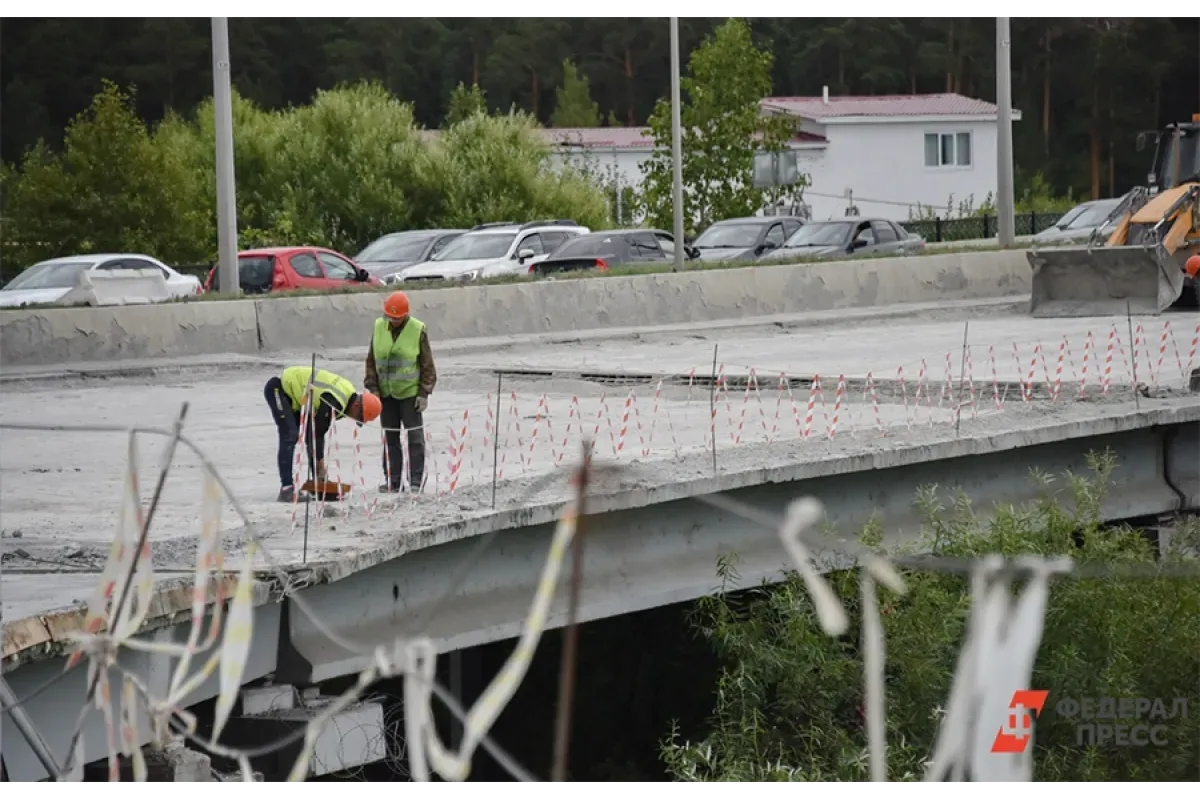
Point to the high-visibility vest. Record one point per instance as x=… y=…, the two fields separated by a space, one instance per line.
x=396 y=359
x=295 y=384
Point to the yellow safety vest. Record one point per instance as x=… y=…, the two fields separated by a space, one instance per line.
x=396 y=359
x=295 y=384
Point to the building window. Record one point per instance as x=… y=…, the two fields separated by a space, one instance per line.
x=948 y=149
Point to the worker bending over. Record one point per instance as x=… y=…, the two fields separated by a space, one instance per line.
x=400 y=369
x=332 y=395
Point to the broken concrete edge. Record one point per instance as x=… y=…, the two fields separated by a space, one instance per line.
x=944 y=447
x=46 y=635
x=30 y=338
x=147 y=369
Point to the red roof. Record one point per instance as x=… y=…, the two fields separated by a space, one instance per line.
x=898 y=105
x=624 y=138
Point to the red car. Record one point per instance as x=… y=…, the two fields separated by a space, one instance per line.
x=282 y=269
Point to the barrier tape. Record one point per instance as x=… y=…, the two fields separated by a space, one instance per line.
x=847 y=416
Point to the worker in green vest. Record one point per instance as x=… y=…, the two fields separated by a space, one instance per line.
x=332 y=395
x=400 y=370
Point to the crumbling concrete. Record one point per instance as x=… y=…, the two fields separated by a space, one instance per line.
x=61 y=491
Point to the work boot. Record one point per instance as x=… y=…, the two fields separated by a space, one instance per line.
x=385 y=488
x=288 y=495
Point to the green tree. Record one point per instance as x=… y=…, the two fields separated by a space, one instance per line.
x=573 y=104
x=496 y=167
x=790 y=700
x=722 y=128
x=465 y=103
x=111 y=189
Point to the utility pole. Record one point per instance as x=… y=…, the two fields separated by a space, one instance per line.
x=227 y=244
x=676 y=145
x=1005 y=232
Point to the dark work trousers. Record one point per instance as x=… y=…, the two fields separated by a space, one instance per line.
x=287 y=421
x=399 y=414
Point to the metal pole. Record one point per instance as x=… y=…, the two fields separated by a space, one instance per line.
x=27 y=729
x=227 y=244
x=1004 y=157
x=676 y=145
x=617 y=186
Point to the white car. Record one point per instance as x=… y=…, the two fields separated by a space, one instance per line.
x=49 y=281
x=495 y=249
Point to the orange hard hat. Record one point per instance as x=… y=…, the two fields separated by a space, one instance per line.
x=1192 y=266
x=396 y=305
x=371 y=406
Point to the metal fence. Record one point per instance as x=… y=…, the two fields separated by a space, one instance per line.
x=983 y=226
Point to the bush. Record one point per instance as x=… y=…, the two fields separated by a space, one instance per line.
x=112 y=189
x=349 y=167
x=494 y=168
x=790 y=699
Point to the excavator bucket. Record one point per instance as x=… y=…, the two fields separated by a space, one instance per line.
x=1102 y=281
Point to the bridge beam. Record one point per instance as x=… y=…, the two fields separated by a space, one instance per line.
x=665 y=553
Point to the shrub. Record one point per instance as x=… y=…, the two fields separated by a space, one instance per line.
x=789 y=699
x=349 y=167
x=110 y=189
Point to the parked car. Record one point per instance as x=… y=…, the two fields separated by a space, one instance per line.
x=282 y=269
x=745 y=238
x=49 y=281
x=603 y=249
x=1077 y=225
x=494 y=249
x=390 y=256
x=847 y=236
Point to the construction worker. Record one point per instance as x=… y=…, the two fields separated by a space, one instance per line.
x=333 y=395
x=400 y=369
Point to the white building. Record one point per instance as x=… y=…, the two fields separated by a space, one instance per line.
x=890 y=154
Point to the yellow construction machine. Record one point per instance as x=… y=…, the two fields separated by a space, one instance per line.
x=1142 y=264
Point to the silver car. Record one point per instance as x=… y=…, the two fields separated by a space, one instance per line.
x=857 y=236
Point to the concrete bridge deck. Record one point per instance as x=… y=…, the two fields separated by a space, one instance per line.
x=650 y=543
x=60 y=491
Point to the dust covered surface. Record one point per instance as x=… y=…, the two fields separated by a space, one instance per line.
x=60 y=492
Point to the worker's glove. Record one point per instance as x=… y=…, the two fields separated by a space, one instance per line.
x=321 y=474
x=371 y=386
x=422 y=404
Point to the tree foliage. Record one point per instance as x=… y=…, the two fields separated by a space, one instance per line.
x=573 y=104
x=721 y=128
x=339 y=172
x=790 y=699
x=465 y=103
x=1085 y=86
x=494 y=168
x=111 y=189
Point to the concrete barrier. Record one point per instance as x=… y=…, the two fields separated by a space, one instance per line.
x=48 y=337
x=118 y=288
x=32 y=337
